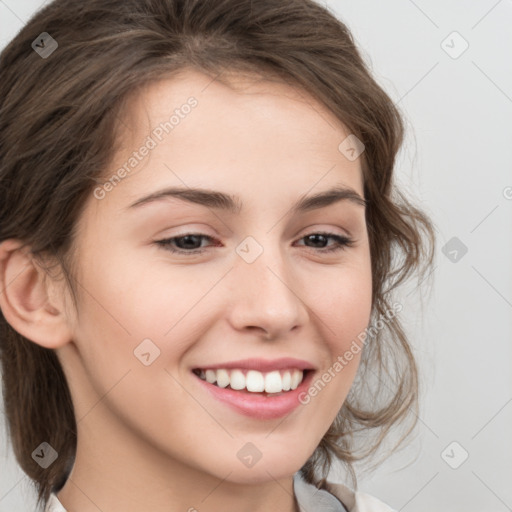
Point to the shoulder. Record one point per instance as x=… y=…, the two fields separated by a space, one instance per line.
x=356 y=501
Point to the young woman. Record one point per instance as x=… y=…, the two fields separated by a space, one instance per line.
x=200 y=239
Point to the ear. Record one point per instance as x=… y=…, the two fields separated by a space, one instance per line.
x=29 y=299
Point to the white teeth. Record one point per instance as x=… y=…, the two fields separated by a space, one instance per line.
x=296 y=379
x=222 y=378
x=273 y=382
x=254 y=381
x=287 y=381
x=211 y=376
x=237 y=380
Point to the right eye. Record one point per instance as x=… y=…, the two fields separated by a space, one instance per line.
x=189 y=243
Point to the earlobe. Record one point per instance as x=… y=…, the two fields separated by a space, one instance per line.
x=24 y=298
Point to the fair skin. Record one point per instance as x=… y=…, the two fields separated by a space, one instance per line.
x=151 y=437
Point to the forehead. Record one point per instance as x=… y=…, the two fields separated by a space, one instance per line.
x=237 y=88
x=244 y=132
x=230 y=102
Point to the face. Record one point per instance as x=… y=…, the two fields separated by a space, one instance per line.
x=184 y=296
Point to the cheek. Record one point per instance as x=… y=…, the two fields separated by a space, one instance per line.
x=125 y=302
x=342 y=300
x=125 y=312
x=141 y=299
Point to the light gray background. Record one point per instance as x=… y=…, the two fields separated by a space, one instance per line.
x=457 y=163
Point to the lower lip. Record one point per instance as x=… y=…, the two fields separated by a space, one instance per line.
x=256 y=405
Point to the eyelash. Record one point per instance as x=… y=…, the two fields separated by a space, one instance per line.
x=342 y=242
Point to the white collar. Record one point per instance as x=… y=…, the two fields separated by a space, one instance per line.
x=354 y=501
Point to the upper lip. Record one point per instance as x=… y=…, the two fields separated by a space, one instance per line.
x=262 y=365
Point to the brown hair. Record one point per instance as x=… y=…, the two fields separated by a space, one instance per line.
x=58 y=125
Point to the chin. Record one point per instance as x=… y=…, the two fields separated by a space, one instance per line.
x=262 y=474
x=262 y=467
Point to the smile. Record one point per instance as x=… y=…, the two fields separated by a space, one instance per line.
x=253 y=381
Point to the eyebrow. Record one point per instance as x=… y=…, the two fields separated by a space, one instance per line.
x=220 y=200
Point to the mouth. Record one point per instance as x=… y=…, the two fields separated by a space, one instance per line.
x=254 y=382
x=261 y=389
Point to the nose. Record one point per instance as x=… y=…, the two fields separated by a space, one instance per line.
x=266 y=297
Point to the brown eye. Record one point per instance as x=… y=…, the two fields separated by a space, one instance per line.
x=319 y=241
x=189 y=243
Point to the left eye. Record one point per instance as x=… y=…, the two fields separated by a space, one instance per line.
x=190 y=243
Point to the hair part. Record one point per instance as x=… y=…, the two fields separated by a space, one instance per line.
x=59 y=125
